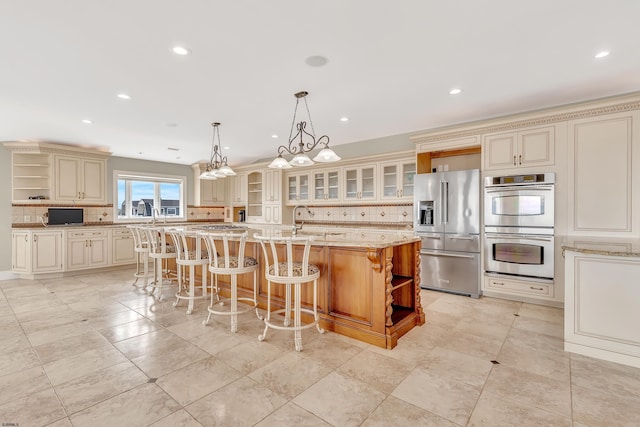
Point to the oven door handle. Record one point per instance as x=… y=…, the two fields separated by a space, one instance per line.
x=447 y=255
x=521 y=188
x=516 y=237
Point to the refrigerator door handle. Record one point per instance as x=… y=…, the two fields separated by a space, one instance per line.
x=446 y=202
x=461 y=237
x=444 y=254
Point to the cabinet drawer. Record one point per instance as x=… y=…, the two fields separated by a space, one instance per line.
x=121 y=232
x=514 y=286
x=86 y=234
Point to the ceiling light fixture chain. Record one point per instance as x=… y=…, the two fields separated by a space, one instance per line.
x=217 y=166
x=299 y=149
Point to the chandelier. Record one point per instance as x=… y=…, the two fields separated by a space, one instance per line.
x=217 y=166
x=298 y=149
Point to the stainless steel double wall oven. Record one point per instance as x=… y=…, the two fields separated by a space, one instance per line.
x=519 y=223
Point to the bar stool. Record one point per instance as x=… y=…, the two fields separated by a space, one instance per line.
x=141 y=248
x=189 y=256
x=160 y=252
x=291 y=273
x=232 y=262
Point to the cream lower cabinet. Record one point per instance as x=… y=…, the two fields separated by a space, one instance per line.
x=122 y=247
x=601 y=315
x=87 y=249
x=525 y=148
x=78 y=179
x=37 y=251
x=521 y=290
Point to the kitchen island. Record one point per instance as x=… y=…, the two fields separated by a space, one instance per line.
x=602 y=298
x=369 y=286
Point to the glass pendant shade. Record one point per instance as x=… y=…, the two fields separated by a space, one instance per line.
x=326 y=155
x=280 y=163
x=217 y=166
x=301 y=160
x=226 y=171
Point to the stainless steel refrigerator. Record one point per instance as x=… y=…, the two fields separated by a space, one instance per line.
x=447 y=219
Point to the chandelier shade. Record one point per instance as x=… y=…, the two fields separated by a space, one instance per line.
x=298 y=148
x=217 y=166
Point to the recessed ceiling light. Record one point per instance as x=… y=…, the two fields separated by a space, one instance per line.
x=180 y=50
x=87 y=121
x=344 y=119
x=601 y=54
x=274 y=136
x=123 y=96
x=455 y=91
x=316 y=61
x=171 y=125
x=226 y=147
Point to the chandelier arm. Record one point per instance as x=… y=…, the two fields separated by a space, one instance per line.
x=313 y=131
x=293 y=121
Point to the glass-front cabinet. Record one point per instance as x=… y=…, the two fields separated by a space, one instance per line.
x=298 y=188
x=254 y=202
x=396 y=180
x=359 y=183
x=326 y=186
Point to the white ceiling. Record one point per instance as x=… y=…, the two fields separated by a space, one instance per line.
x=390 y=67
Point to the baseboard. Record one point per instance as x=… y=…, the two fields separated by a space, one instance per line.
x=8 y=275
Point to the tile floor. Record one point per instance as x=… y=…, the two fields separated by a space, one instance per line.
x=94 y=351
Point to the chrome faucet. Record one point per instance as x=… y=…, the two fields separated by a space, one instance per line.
x=295 y=227
x=155 y=213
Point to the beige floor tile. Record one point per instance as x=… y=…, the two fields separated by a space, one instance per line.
x=56 y=333
x=18 y=360
x=441 y=319
x=82 y=364
x=454 y=307
x=482 y=347
x=530 y=389
x=599 y=408
x=380 y=372
x=29 y=304
x=141 y=406
x=192 y=382
x=153 y=342
x=539 y=326
x=70 y=346
x=541 y=312
x=129 y=330
x=115 y=319
x=191 y=328
x=484 y=328
x=157 y=364
x=330 y=350
x=340 y=400
x=457 y=366
x=34 y=409
x=495 y=411
x=292 y=415
x=93 y=388
x=551 y=364
x=64 y=422
x=217 y=340
x=15 y=342
x=612 y=378
x=46 y=319
x=21 y=384
x=249 y=356
x=535 y=341
x=394 y=411
x=450 y=399
x=179 y=418
x=241 y=403
x=290 y=374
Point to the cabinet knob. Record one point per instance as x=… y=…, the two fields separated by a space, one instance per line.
x=520 y=159
x=514 y=160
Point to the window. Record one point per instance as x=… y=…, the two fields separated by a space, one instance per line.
x=149 y=196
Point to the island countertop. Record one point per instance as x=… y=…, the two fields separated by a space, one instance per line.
x=608 y=246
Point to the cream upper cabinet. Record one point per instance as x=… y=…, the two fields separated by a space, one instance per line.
x=238 y=189
x=78 y=179
x=396 y=180
x=31 y=177
x=298 y=187
x=603 y=177
x=525 y=148
x=213 y=192
x=272 y=185
x=326 y=186
x=359 y=183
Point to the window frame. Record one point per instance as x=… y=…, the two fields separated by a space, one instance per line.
x=156 y=179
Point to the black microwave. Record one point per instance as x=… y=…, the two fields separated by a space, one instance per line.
x=66 y=216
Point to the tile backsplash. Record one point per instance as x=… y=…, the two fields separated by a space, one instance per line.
x=377 y=214
x=38 y=214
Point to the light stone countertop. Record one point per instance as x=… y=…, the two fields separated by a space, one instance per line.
x=609 y=246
